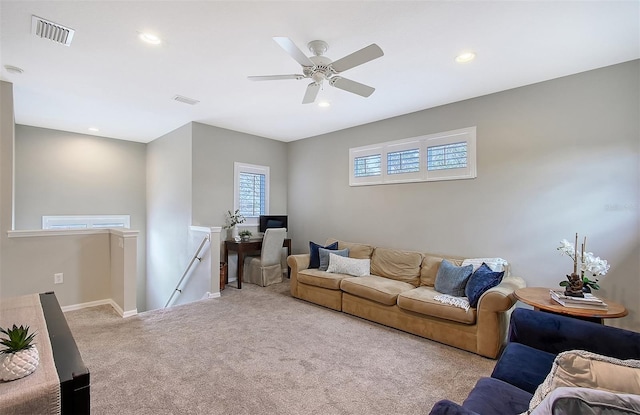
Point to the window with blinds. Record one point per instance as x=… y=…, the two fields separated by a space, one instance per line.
x=367 y=166
x=251 y=191
x=251 y=194
x=407 y=161
x=449 y=155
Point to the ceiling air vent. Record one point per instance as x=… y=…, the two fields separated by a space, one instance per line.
x=46 y=29
x=185 y=100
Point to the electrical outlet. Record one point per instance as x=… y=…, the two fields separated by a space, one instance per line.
x=58 y=278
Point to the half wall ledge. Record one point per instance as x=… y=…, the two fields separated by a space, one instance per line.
x=118 y=262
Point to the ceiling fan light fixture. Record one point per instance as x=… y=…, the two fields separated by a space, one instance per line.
x=150 y=38
x=324 y=104
x=93 y=129
x=465 y=57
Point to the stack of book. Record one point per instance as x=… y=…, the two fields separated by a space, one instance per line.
x=589 y=301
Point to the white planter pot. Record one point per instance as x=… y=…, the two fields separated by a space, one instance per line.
x=18 y=365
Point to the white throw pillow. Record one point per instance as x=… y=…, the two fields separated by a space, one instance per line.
x=496 y=264
x=349 y=266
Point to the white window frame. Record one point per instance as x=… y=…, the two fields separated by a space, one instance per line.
x=86 y=221
x=239 y=168
x=467 y=135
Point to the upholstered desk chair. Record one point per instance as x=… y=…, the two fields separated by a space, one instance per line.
x=266 y=269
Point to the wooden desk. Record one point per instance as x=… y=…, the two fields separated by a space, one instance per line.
x=539 y=298
x=243 y=248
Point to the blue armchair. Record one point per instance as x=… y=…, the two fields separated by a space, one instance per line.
x=535 y=338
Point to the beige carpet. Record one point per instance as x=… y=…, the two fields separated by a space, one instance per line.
x=260 y=351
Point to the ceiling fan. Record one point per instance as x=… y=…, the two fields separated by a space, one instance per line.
x=320 y=68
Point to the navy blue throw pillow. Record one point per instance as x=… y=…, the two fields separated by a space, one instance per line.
x=481 y=280
x=314 y=253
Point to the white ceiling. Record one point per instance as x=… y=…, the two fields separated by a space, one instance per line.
x=111 y=80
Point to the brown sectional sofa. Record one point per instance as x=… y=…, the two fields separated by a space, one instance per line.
x=400 y=293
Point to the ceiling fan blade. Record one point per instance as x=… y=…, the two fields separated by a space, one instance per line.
x=364 y=55
x=275 y=77
x=293 y=51
x=312 y=93
x=351 y=86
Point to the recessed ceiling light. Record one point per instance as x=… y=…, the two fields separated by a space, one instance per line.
x=94 y=129
x=465 y=57
x=13 y=69
x=324 y=104
x=150 y=38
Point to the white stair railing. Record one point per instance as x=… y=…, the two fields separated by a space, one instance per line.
x=186 y=271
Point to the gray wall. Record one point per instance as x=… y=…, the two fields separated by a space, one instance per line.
x=214 y=152
x=554 y=158
x=63 y=173
x=169 y=193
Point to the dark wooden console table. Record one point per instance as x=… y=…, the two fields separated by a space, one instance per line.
x=73 y=374
x=244 y=248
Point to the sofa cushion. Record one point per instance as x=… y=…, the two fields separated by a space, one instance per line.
x=430 y=266
x=314 y=253
x=493 y=396
x=356 y=250
x=523 y=366
x=578 y=368
x=451 y=279
x=397 y=265
x=420 y=300
x=375 y=288
x=324 y=256
x=323 y=279
x=480 y=281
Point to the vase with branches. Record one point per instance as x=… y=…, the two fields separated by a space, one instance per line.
x=232 y=220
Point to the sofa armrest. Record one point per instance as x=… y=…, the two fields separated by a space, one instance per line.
x=296 y=263
x=554 y=333
x=446 y=407
x=493 y=311
x=500 y=298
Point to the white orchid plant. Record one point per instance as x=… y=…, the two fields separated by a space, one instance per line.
x=586 y=262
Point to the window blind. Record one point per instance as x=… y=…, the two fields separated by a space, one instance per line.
x=252 y=194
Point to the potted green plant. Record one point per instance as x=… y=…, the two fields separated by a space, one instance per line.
x=20 y=356
x=245 y=235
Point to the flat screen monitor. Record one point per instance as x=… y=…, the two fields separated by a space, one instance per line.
x=272 y=221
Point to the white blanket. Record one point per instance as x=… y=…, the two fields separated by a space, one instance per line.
x=462 y=302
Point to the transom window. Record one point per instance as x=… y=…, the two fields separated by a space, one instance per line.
x=85 y=221
x=366 y=166
x=447 y=156
x=450 y=155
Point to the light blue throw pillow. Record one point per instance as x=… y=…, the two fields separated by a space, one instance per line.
x=324 y=256
x=452 y=280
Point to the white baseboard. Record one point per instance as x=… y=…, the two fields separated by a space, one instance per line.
x=108 y=301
